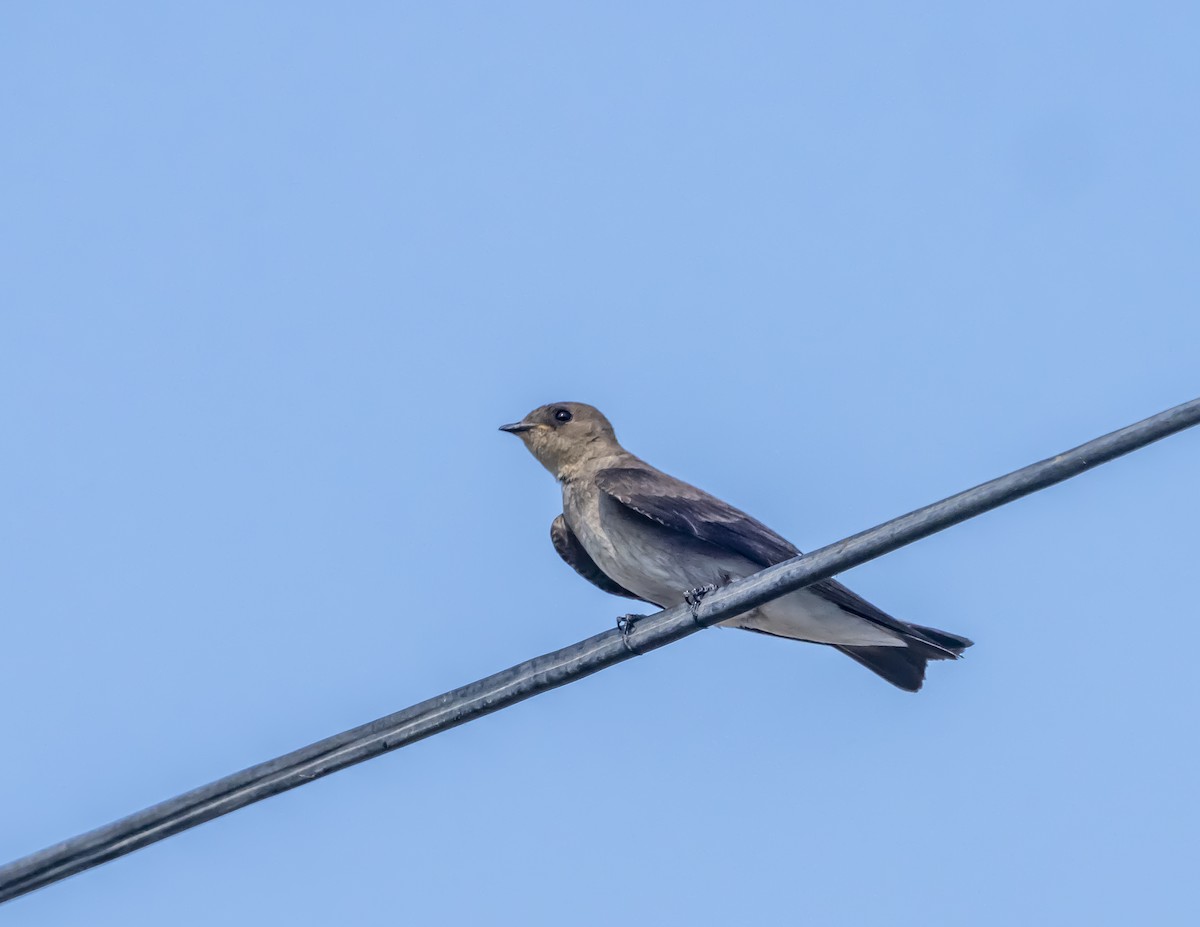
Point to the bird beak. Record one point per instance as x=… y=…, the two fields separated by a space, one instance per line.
x=516 y=427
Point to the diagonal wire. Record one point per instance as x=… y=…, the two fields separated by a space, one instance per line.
x=563 y=666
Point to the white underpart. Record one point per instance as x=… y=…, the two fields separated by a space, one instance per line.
x=806 y=616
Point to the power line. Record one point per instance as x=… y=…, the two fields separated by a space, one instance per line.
x=563 y=666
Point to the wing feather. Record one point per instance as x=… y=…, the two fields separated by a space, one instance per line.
x=682 y=507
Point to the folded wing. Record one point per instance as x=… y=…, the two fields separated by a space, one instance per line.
x=682 y=507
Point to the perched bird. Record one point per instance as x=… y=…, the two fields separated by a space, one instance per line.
x=634 y=531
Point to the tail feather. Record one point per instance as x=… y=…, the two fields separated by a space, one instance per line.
x=904 y=667
x=901 y=666
x=955 y=643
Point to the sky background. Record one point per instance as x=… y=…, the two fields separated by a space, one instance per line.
x=272 y=274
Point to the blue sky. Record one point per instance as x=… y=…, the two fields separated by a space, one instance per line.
x=270 y=277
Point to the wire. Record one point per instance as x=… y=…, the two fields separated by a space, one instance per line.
x=563 y=666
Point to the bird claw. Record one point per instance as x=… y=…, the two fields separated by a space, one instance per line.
x=625 y=625
x=693 y=597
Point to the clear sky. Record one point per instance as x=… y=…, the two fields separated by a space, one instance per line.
x=272 y=274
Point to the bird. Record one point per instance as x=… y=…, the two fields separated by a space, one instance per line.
x=635 y=531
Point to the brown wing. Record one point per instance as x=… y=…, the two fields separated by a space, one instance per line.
x=682 y=507
x=580 y=561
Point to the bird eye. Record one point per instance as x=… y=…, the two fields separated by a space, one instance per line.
x=562 y=415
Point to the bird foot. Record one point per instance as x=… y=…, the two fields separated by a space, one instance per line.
x=625 y=625
x=693 y=597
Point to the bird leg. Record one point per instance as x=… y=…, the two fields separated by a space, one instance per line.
x=693 y=597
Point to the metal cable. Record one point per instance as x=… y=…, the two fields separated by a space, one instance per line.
x=563 y=666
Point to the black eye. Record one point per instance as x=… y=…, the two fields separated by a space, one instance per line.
x=562 y=415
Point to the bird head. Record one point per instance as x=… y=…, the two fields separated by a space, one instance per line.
x=564 y=435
